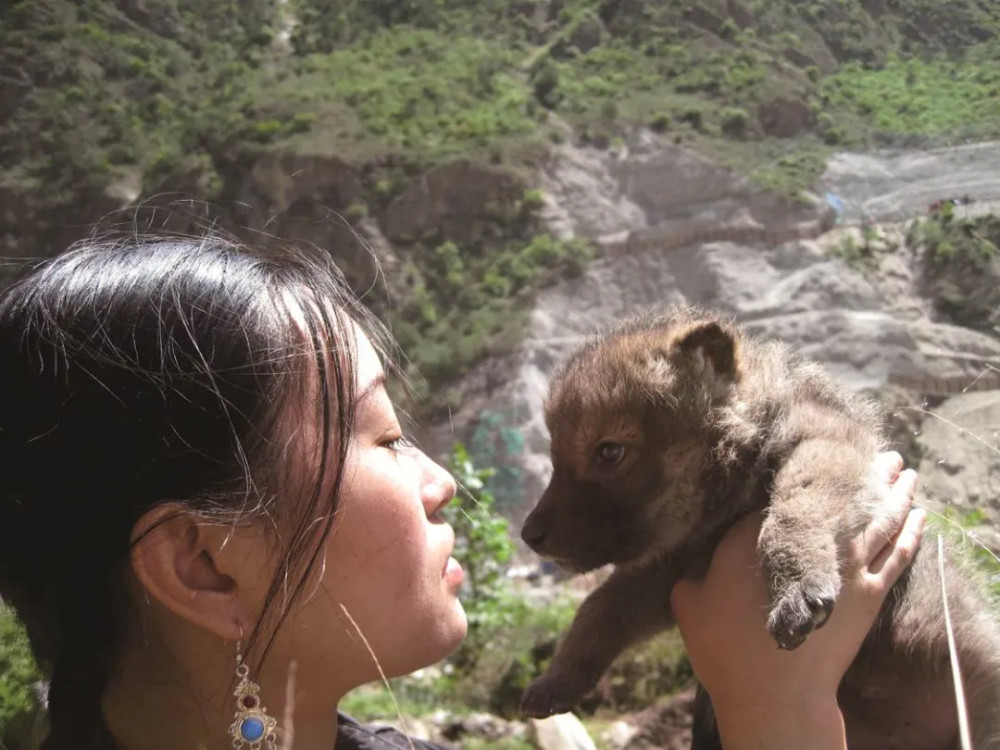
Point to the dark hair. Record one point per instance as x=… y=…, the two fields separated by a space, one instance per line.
x=139 y=371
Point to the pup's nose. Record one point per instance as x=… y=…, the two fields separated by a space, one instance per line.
x=533 y=534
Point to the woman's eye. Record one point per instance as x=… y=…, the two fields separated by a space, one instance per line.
x=610 y=453
x=398 y=443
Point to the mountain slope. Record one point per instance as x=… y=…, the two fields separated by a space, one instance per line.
x=423 y=123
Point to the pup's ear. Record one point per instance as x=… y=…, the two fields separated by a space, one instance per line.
x=712 y=351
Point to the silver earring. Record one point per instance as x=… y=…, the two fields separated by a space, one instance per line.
x=251 y=724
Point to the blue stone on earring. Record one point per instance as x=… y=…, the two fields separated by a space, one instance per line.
x=251 y=724
x=252 y=729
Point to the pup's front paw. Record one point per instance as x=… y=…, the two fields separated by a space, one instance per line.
x=553 y=694
x=800 y=608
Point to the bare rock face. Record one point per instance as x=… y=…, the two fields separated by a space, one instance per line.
x=647 y=186
x=561 y=732
x=872 y=328
x=740 y=13
x=297 y=196
x=785 y=116
x=897 y=185
x=450 y=199
x=702 y=16
x=875 y=8
x=796 y=293
x=798 y=57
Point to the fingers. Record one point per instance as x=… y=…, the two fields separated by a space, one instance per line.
x=889 y=564
x=890 y=515
x=887 y=466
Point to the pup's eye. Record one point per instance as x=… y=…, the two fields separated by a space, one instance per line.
x=610 y=453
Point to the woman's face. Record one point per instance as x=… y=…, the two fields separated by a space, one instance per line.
x=388 y=586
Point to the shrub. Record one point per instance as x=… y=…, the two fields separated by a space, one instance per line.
x=267 y=130
x=482 y=546
x=729 y=29
x=660 y=123
x=545 y=84
x=533 y=200
x=734 y=122
x=831 y=133
x=962 y=266
x=693 y=116
x=301 y=122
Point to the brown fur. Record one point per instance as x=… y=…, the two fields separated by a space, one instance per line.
x=714 y=424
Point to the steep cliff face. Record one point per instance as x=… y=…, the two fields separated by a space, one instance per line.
x=871 y=324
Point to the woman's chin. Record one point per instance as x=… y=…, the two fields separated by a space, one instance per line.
x=458 y=627
x=434 y=647
x=452 y=629
x=432 y=637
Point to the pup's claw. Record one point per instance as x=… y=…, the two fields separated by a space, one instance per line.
x=801 y=608
x=547 y=695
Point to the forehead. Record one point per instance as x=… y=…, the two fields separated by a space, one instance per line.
x=369 y=365
x=601 y=382
x=366 y=360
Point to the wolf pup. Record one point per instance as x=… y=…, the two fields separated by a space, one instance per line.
x=670 y=428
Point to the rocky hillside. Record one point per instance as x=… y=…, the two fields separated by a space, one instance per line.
x=421 y=127
x=882 y=306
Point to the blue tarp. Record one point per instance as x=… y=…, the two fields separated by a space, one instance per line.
x=835 y=202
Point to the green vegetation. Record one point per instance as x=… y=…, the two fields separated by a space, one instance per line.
x=468 y=302
x=962 y=265
x=101 y=102
x=17 y=669
x=960 y=527
x=483 y=547
x=912 y=97
x=419 y=91
x=862 y=249
x=947 y=239
x=791 y=174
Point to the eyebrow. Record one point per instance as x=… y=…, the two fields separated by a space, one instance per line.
x=378 y=382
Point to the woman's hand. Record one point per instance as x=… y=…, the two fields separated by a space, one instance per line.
x=767 y=697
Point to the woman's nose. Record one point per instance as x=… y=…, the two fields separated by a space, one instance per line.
x=438 y=488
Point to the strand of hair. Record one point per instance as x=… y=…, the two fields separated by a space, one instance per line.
x=381 y=672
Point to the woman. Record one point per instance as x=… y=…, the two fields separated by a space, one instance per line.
x=213 y=527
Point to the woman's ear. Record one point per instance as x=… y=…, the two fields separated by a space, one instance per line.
x=198 y=569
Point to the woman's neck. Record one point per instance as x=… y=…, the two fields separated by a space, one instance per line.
x=169 y=695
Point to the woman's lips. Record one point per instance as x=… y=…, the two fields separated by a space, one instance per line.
x=453 y=572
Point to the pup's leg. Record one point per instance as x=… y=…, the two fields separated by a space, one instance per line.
x=630 y=606
x=817 y=504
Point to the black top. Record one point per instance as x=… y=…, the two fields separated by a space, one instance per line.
x=354 y=736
